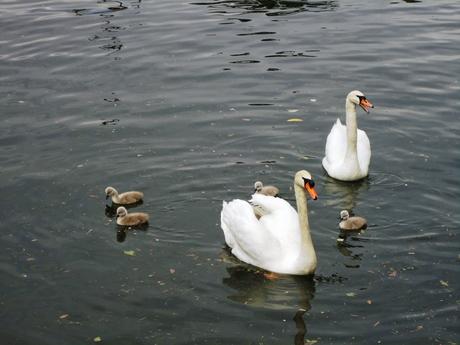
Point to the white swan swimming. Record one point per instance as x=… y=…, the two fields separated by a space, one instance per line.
x=280 y=240
x=348 y=150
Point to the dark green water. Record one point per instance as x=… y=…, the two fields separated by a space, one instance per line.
x=189 y=103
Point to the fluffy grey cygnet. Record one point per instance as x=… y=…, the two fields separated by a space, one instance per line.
x=131 y=219
x=266 y=190
x=351 y=223
x=125 y=198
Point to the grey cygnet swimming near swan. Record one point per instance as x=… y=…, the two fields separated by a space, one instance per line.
x=131 y=219
x=125 y=198
x=354 y=223
x=266 y=190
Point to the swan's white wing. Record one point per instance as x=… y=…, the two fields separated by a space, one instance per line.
x=268 y=243
x=282 y=229
x=364 y=151
x=269 y=204
x=259 y=209
x=244 y=233
x=336 y=145
x=277 y=215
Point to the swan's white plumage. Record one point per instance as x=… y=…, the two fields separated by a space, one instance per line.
x=339 y=161
x=273 y=242
x=336 y=148
x=336 y=144
x=257 y=241
x=364 y=151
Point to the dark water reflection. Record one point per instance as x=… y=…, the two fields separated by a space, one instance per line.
x=105 y=7
x=268 y=7
x=123 y=231
x=190 y=104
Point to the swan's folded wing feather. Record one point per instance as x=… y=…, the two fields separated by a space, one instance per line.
x=243 y=232
x=336 y=144
x=364 y=150
x=268 y=204
x=278 y=215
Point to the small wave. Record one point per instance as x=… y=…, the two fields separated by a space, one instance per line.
x=108 y=7
x=386 y=180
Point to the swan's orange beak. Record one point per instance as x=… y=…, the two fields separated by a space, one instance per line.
x=365 y=104
x=311 y=190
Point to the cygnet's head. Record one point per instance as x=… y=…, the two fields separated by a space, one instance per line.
x=344 y=215
x=110 y=191
x=258 y=186
x=303 y=179
x=121 y=211
x=358 y=98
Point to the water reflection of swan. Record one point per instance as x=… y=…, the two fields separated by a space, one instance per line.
x=286 y=293
x=344 y=194
x=253 y=288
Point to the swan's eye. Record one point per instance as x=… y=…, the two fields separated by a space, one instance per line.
x=311 y=183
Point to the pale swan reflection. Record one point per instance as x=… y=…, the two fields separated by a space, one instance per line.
x=287 y=292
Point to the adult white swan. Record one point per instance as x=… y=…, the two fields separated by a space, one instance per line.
x=348 y=150
x=280 y=240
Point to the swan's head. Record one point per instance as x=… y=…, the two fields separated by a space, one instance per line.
x=304 y=179
x=121 y=211
x=344 y=215
x=358 y=98
x=110 y=191
x=258 y=186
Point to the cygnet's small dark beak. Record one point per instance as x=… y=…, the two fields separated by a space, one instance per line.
x=106 y=196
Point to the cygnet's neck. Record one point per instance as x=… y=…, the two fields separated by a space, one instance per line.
x=115 y=198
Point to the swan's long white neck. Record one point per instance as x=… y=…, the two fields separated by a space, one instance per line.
x=307 y=243
x=352 y=130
